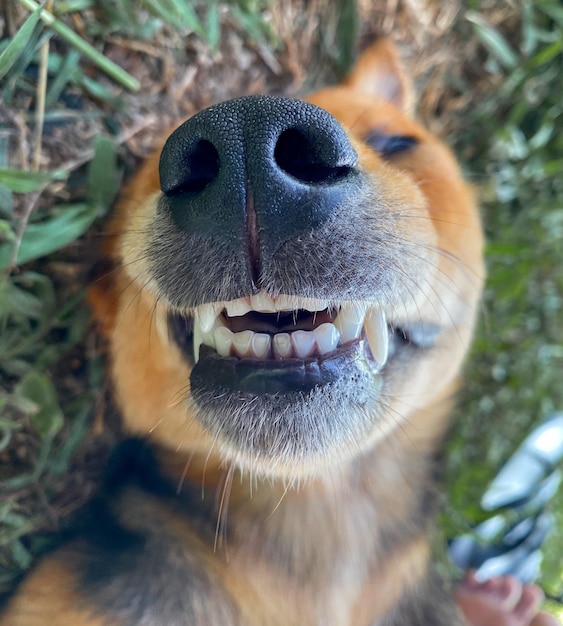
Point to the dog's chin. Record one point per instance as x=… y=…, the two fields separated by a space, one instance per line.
x=291 y=405
x=291 y=419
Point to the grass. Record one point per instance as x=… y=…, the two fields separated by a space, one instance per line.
x=512 y=143
x=62 y=157
x=501 y=108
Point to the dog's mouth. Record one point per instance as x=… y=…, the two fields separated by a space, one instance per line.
x=263 y=345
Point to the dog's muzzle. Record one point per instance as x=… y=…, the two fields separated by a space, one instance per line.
x=270 y=248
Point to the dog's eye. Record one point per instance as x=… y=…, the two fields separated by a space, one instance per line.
x=390 y=145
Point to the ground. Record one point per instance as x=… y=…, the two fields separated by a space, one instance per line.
x=489 y=78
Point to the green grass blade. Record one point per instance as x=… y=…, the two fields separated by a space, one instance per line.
x=106 y=65
x=104 y=176
x=19 y=42
x=495 y=43
x=213 y=25
x=24 y=182
x=45 y=237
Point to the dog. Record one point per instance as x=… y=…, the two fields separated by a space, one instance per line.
x=294 y=289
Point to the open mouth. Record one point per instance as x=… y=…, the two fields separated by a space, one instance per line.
x=291 y=376
x=262 y=344
x=265 y=328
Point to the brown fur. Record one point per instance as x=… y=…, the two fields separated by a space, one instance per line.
x=336 y=541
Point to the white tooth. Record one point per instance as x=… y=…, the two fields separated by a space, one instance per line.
x=261 y=345
x=242 y=341
x=282 y=346
x=303 y=342
x=208 y=338
x=349 y=323
x=377 y=335
x=223 y=340
x=206 y=316
x=326 y=336
x=285 y=303
x=312 y=304
x=238 y=307
x=262 y=303
x=203 y=338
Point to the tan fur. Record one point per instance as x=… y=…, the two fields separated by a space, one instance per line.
x=47 y=598
x=339 y=543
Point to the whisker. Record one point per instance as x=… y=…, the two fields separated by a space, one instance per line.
x=221 y=524
x=184 y=473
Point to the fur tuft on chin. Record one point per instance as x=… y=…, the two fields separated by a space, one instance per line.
x=291 y=435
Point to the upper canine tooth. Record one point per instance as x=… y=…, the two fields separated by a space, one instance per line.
x=206 y=316
x=262 y=303
x=377 y=335
x=238 y=307
x=349 y=323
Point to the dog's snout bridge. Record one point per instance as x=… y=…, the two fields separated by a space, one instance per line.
x=255 y=172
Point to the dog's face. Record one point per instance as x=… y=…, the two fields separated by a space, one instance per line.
x=302 y=281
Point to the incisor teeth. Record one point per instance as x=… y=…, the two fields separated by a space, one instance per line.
x=312 y=304
x=303 y=343
x=210 y=330
x=261 y=345
x=223 y=340
x=282 y=347
x=286 y=303
x=327 y=337
x=242 y=342
x=377 y=335
x=238 y=307
x=262 y=303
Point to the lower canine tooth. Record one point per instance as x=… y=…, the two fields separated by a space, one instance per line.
x=377 y=335
x=303 y=342
x=223 y=340
x=282 y=346
x=261 y=345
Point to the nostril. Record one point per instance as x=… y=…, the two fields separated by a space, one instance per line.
x=297 y=155
x=200 y=168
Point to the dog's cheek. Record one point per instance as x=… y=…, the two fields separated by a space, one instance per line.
x=459 y=242
x=150 y=375
x=409 y=235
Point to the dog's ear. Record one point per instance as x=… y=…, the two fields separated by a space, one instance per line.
x=380 y=73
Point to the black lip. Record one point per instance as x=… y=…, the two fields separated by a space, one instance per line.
x=258 y=377
x=181 y=328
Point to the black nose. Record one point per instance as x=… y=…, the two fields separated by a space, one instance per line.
x=254 y=172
